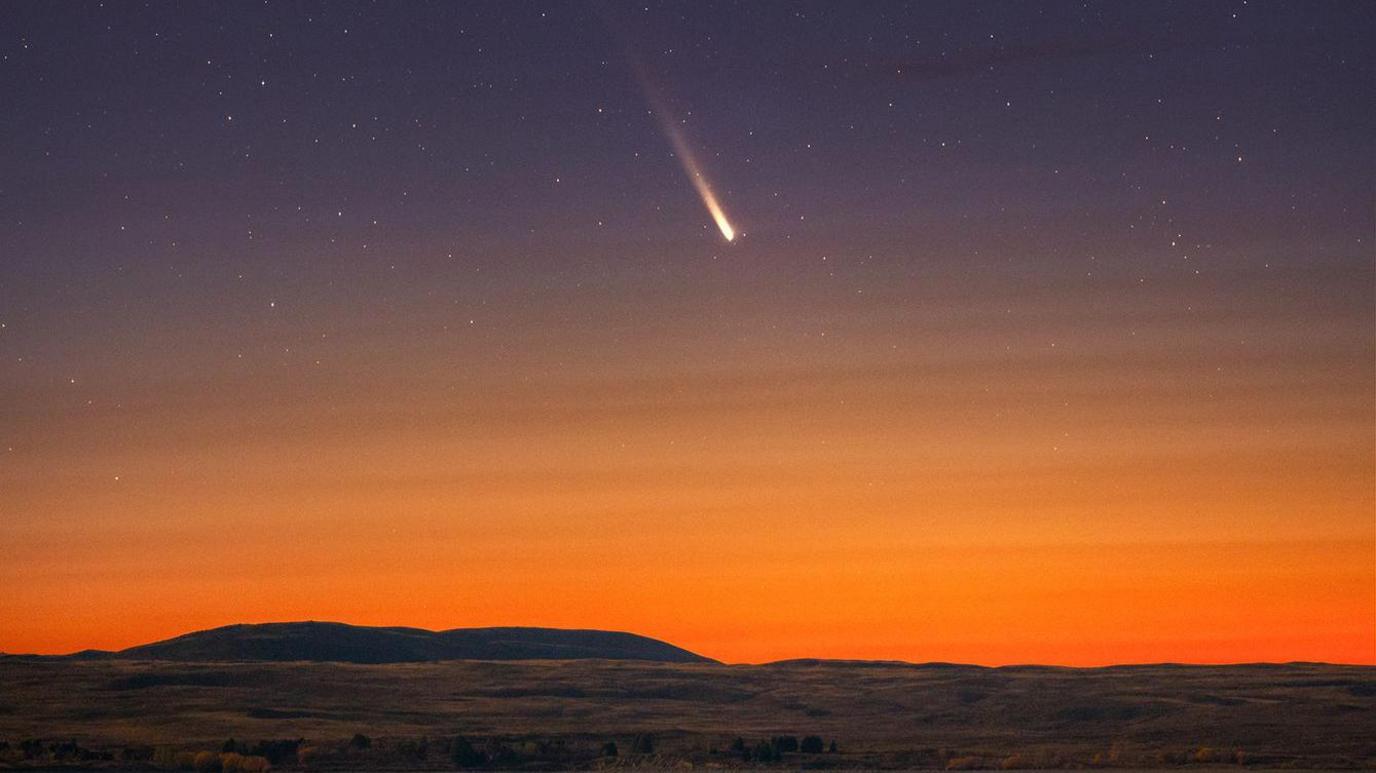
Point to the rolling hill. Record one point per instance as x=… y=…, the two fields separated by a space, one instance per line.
x=339 y=642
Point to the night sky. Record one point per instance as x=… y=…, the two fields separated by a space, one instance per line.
x=1046 y=334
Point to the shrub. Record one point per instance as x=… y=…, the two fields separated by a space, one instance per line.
x=763 y=752
x=784 y=743
x=1171 y=758
x=69 y=750
x=207 y=762
x=811 y=744
x=609 y=749
x=252 y=763
x=229 y=762
x=1109 y=758
x=414 y=749
x=643 y=744
x=499 y=754
x=832 y=748
x=963 y=763
x=361 y=741
x=280 y=751
x=463 y=755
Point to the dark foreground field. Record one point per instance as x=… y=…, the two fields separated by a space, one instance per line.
x=547 y=714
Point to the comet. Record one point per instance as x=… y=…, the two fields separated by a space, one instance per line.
x=685 y=154
x=696 y=177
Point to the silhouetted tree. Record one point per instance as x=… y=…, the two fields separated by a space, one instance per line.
x=738 y=747
x=609 y=749
x=832 y=749
x=643 y=744
x=763 y=752
x=361 y=741
x=784 y=743
x=812 y=744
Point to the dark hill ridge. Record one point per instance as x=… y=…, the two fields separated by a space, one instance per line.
x=339 y=642
x=857 y=663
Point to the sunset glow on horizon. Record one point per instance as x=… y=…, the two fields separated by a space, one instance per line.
x=1011 y=486
x=1049 y=340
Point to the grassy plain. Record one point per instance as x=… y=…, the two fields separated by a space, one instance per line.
x=563 y=713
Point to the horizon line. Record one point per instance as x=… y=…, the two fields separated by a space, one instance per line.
x=714 y=661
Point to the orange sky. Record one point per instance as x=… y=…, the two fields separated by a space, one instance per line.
x=919 y=476
x=1037 y=334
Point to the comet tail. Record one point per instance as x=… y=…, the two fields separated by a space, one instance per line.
x=694 y=172
x=683 y=150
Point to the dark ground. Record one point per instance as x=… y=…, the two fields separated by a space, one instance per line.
x=546 y=714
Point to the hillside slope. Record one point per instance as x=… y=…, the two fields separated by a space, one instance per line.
x=339 y=642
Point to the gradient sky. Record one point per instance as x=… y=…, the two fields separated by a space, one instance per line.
x=1048 y=335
